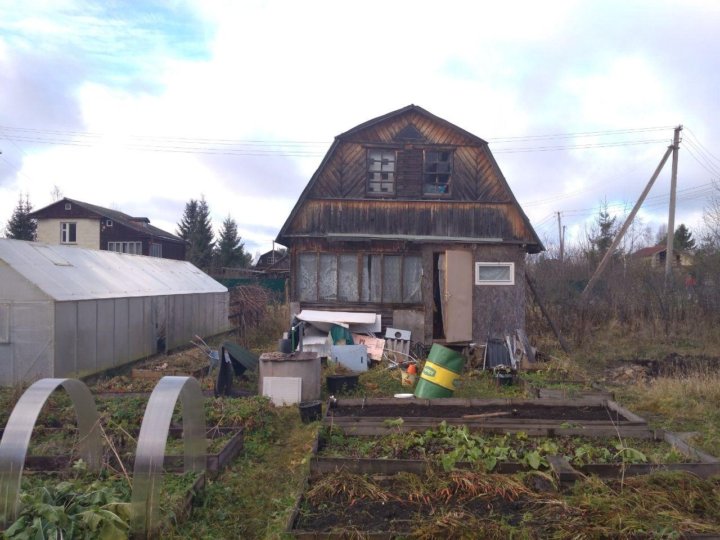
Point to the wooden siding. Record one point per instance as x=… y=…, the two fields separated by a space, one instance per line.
x=479 y=203
x=420 y=218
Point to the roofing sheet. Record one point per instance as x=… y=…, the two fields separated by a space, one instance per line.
x=73 y=273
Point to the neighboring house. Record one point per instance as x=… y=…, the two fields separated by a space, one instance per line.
x=275 y=258
x=76 y=223
x=409 y=216
x=656 y=256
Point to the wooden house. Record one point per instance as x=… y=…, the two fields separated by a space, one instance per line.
x=655 y=257
x=409 y=216
x=76 y=223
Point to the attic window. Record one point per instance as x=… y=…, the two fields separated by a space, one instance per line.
x=437 y=170
x=108 y=223
x=381 y=171
x=68 y=206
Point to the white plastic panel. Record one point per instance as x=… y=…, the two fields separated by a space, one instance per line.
x=88 y=273
x=283 y=390
x=87 y=331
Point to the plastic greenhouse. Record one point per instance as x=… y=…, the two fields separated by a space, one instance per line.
x=67 y=311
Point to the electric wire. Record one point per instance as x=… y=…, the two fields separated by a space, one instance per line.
x=697 y=140
x=701 y=160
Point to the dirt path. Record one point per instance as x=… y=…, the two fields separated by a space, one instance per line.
x=253 y=498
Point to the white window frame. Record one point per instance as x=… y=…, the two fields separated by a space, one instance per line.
x=65 y=232
x=68 y=206
x=479 y=281
x=108 y=223
x=124 y=247
x=155 y=250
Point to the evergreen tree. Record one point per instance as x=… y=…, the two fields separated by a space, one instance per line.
x=683 y=240
x=603 y=233
x=187 y=222
x=21 y=226
x=195 y=227
x=230 y=251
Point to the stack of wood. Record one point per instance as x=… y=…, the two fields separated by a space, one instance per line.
x=247 y=306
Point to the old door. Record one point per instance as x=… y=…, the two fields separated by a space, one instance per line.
x=457 y=311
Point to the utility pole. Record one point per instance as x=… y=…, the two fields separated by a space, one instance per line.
x=561 y=238
x=624 y=228
x=669 y=256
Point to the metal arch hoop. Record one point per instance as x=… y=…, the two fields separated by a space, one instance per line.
x=147 y=473
x=19 y=428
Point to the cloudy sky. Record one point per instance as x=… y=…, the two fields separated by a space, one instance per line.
x=142 y=105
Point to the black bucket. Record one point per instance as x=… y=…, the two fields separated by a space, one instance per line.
x=337 y=384
x=504 y=379
x=310 y=411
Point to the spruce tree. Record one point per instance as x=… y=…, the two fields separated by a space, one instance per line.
x=230 y=251
x=602 y=235
x=683 y=240
x=195 y=227
x=21 y=226
x=187 y=222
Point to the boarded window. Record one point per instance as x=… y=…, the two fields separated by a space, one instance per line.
x=412 y=278
x=372 y=278
x=328 y=277
x=381 y=171
x=307 y=277
x=391 y=279
x=331 y=277
x=348 y=278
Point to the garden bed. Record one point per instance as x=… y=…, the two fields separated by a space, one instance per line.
x=448 y=447
x=592 y=417
x=472 y=504
x=82 y=505
x=224 y=444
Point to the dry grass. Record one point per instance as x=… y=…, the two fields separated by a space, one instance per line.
x=683 y=403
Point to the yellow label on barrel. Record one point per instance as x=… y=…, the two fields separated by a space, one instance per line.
x=439 y=375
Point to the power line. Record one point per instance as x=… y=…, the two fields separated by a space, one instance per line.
x=697 y=140
x=702 y=161
x=575 y=147
x=267 y=147
x=578 y=134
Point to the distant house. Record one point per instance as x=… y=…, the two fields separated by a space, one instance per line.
x=76 y=223
x=655 y=256
x=409 y=216
x=274 y=258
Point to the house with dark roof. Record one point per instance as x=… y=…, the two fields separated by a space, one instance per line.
x=76 y=223
x=409 y=216
x=655 y=256
x=277 y=259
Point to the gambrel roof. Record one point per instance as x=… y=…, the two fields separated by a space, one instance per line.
x=480 y=208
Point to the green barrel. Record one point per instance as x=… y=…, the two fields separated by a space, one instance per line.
x=442 y=369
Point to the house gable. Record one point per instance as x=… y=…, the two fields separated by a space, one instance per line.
x=475 y=204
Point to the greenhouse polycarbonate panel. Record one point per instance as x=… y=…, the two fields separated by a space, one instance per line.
x=147 y=474
x=19 y=428
x=90 y=274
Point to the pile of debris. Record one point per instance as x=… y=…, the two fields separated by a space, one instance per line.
x=248 y=304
